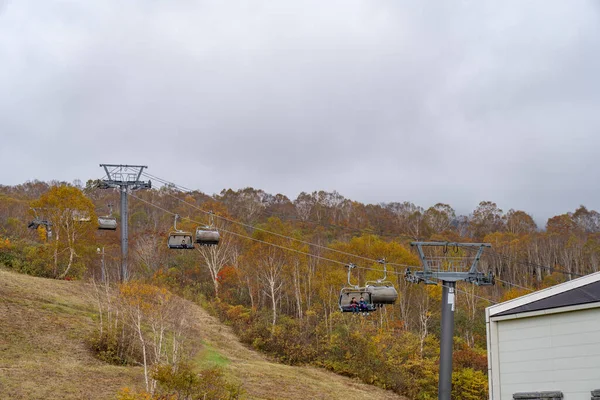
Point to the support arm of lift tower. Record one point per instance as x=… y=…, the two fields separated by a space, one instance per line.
x=448 y=271
x=126 y=178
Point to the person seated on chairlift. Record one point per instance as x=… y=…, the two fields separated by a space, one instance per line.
x=362 y=305
x=354 y=305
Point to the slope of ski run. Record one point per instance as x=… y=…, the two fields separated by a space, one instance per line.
x=43 y=355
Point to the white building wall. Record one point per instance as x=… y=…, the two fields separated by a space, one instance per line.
x=548 y=352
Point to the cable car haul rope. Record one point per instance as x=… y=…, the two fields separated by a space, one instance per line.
x=374 y=293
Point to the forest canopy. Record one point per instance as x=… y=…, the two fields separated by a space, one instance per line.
x=278 y=270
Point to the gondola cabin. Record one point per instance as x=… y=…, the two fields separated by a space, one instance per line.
x=107 y=223
x=207 y=237
x=346 y=296
x=180 y=240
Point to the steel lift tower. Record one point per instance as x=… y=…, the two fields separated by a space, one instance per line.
x=449 y=269
x=126 y=178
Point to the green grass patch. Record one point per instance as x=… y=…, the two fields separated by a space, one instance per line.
x=210 y=357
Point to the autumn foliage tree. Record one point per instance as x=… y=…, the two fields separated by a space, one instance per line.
x=280 y=291
x=159 y=321
x=73 y=221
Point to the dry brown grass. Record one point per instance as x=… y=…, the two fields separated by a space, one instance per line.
x=44 y=323
x=43 y=355
x=263 y=379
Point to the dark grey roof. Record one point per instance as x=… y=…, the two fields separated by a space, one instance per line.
x=581 y=295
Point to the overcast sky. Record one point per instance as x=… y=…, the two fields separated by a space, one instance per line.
x=439 y=101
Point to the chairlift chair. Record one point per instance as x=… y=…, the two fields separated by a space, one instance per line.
x=37 y=222
x=208 y=235
x=81 y=216
x=350 y=291
x=107 y=222
x=382 y=291
x=180 y=239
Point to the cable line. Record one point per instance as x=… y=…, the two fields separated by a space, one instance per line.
x=518 y=262
x=270 y=213
x=526 y=263
x=184 y=189
x=532 y=264
x=514 y=284
x=267 y=231
x=470 y=294
x=294 y=250
x=259 y=240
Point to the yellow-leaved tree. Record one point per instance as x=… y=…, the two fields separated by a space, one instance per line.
x=73 y=223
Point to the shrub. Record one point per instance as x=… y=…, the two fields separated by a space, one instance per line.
x=114 y=347
x=182 y=382
x=473 y=358
x=129 y=394
x=468 y=384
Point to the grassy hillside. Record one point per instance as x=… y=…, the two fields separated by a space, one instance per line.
x=44 y=323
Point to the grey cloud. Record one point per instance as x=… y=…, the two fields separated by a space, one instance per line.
x=383 y=101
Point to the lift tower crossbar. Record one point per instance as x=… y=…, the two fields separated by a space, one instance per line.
x=449 y=269
x=126 y=178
